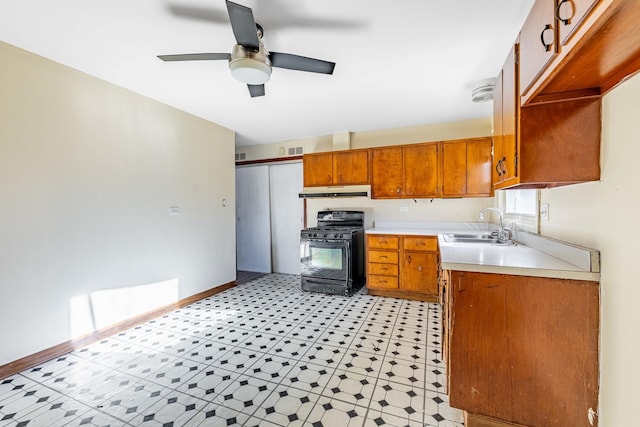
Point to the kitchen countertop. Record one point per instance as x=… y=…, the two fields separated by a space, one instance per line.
x=533 y=255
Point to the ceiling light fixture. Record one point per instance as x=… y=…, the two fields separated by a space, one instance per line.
x=249 y=66
x=483 y=90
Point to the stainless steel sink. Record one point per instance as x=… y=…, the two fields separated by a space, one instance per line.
x=471 y=238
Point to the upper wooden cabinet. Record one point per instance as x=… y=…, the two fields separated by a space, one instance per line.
x=336 y=168
x=387 y=172
x=351 y=167
x=317 y=169
x=466 y=167
x=569 y=15
x=458 y=168
x=546 y=144
x=506 y=113
x=578 y=48
x=421 y=170
x=538 y=41
x=407 y=171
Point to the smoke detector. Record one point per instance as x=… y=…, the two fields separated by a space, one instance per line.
x=483 y=90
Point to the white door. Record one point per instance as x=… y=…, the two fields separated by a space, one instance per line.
x=287 y=211
x=253 y=228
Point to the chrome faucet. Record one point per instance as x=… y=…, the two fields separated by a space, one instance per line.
x=504 y=235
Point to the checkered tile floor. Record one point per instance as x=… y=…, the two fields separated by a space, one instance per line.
x=261 y=354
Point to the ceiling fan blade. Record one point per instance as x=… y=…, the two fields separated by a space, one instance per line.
x=196 y=57
x=301 y=63
x=256 y=90
x=244 y=26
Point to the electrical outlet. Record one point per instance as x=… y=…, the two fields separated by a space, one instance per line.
x=544 y=211
x=404 y=209
x=174 y=210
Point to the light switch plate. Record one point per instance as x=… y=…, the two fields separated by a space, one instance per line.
x=544 y=211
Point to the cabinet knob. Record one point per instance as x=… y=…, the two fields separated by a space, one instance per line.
x=567 y=20
x=547 y=46
x=398 y=190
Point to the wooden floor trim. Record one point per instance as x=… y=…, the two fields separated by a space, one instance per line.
x=35 y=359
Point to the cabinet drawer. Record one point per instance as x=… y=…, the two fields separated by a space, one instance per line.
x=385 y=257
x=382 y=242
x=383 y=269
x=429 y=244
x=382 y=282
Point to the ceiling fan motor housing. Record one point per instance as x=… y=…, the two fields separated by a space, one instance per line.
x=250 y=67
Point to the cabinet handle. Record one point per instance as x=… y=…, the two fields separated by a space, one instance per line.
x=398 y=190
x=383 y=256
x=421 y=243
x=547 y=46
x=384 y=269
x=498 y=168
x=382 y=281
x=503 y=168
x=420 y=268
x=383 y=242
x=565 y=21
x=409 y=259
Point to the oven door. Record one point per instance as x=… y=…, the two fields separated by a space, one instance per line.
x=326 y=262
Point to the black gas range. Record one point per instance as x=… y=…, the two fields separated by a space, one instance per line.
x=332 y=254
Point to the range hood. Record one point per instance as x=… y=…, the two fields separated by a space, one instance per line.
x=336 y=191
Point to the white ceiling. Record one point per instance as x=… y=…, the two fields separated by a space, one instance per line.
x=399 y=63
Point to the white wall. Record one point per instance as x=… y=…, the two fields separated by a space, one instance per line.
x=606 y=215
x=88 y=172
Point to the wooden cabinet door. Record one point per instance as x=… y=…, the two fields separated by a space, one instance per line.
x=570 y=14
x=516 y=340
x=420 y=272
x=479 y=167
x=421 y=170
x=317 y=169
x=538 y=42
x=507 y=159
x=387 y=174
x=454 y=168
x=351 y=167
x=497 y=130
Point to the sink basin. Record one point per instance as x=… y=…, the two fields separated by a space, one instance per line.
x=470 y=238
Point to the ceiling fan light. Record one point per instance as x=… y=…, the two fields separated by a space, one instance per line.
x=250 y=71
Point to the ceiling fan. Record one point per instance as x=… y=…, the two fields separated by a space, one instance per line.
x=249 y=61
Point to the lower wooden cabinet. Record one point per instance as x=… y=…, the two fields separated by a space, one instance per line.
x=403 y=266
x=522 y=350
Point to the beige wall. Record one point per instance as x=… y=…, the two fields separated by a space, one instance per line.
x=606 y=215
x=383 y=137
x=88 y=172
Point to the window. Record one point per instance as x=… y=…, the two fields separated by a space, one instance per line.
x=520 y=208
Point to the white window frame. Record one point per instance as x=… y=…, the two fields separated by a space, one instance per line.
x=519 y=221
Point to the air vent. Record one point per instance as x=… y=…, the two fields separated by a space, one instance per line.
x=241 y=156
x=295 y=151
